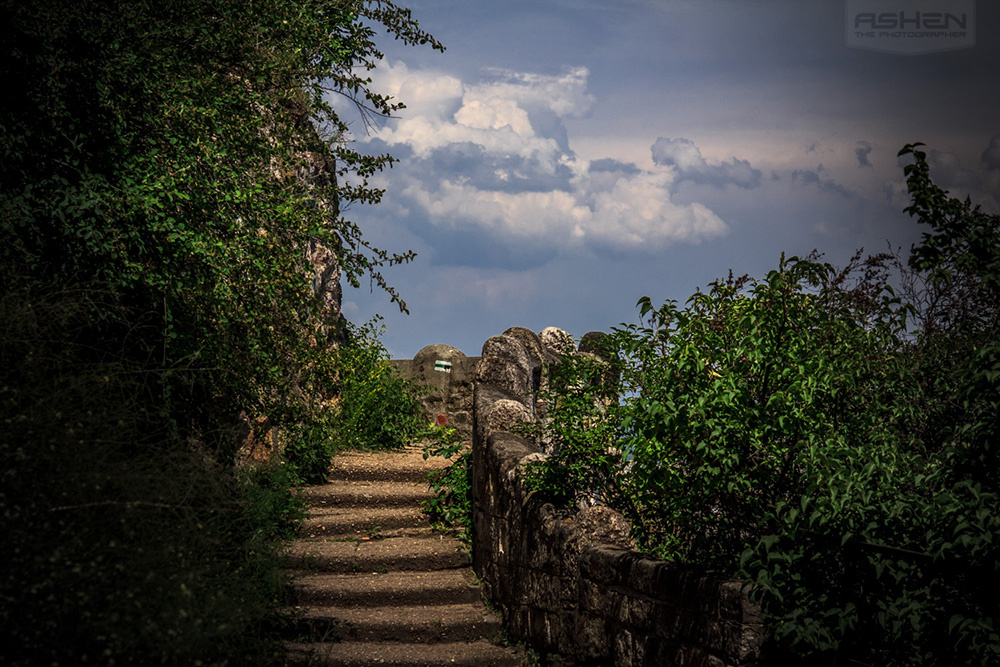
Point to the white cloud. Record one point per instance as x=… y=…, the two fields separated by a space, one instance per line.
x=426 y=93
x=494 y=113
x=685 y=157
x=493 y=158
x=565 y=95
x=638 y=212
x=526 y=215
x=350 y=309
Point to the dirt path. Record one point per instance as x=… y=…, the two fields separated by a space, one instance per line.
x=376 y=585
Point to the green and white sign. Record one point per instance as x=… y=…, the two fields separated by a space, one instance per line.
x=443 y=366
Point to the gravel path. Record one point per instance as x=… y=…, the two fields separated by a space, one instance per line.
x=375 y=584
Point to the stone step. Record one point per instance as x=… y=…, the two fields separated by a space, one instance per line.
x=404 y=466
x=328 y=522
x=355 y=654
x=414 y=624
x=365 y=493
x=403 y=588
x=427 y=552
x=375 y=584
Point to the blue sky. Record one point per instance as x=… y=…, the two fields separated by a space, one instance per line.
x=562 y=159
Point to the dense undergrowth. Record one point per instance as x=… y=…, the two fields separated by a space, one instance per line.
x=831 y=439
x=450 y=509
x=123 y=543
x=374 y=409
x=173 y=181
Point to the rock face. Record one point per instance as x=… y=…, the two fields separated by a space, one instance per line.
x=256 y=439
x=567 y=581
x=325 y=268
x=322 y=263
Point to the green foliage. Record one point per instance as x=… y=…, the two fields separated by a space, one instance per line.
x=121 y=543
x=791 y=431
x=174 y=167
x=309 y=449
x=375 y=408
x=729 y=406
x=451 y=507
x=582 y=428
x=185 y=155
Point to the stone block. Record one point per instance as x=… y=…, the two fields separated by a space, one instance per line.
x=592 y=632
x=530 y=342
x=508 y=585
x=672 y=624
x=627 y=651
x=638 y=611
x=503 y=415
x=596 y=599
x=505 y=364
x=605 y=564
x=644 y=575
x=538 y=589
x=555 y=342
x=731 y=601
x=565 y=628
x=518 y=623
x=506 y=451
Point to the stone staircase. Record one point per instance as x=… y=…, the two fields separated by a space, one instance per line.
x=375 y=584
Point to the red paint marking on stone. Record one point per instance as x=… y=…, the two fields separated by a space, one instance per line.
x=442 y=420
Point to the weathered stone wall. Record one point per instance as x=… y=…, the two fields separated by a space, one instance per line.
x=566 y=581
x=450 y=388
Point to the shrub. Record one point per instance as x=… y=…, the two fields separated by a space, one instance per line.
x=373 y=409
x=793 y=432
x=728 y=407
x=378 y=409
x=451 y=507
x=122 y=544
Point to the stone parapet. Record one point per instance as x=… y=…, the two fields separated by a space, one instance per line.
x=566 y=581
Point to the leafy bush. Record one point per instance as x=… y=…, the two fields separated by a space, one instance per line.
x=378 y=409
x=451 y=507
x=374 y=408
x=728 y=406
x=792 y=431
x=185 y=155
x=121 y=543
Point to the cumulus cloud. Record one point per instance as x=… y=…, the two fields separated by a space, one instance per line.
x=896 y=194
x=684 y=156
x=638 y=211
x=489 y=177
x=565 y=94
x=489 y=170
x=991 y=156
x=948 y=172
x=813 y=177
x=610 y=165
x=862 y=152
